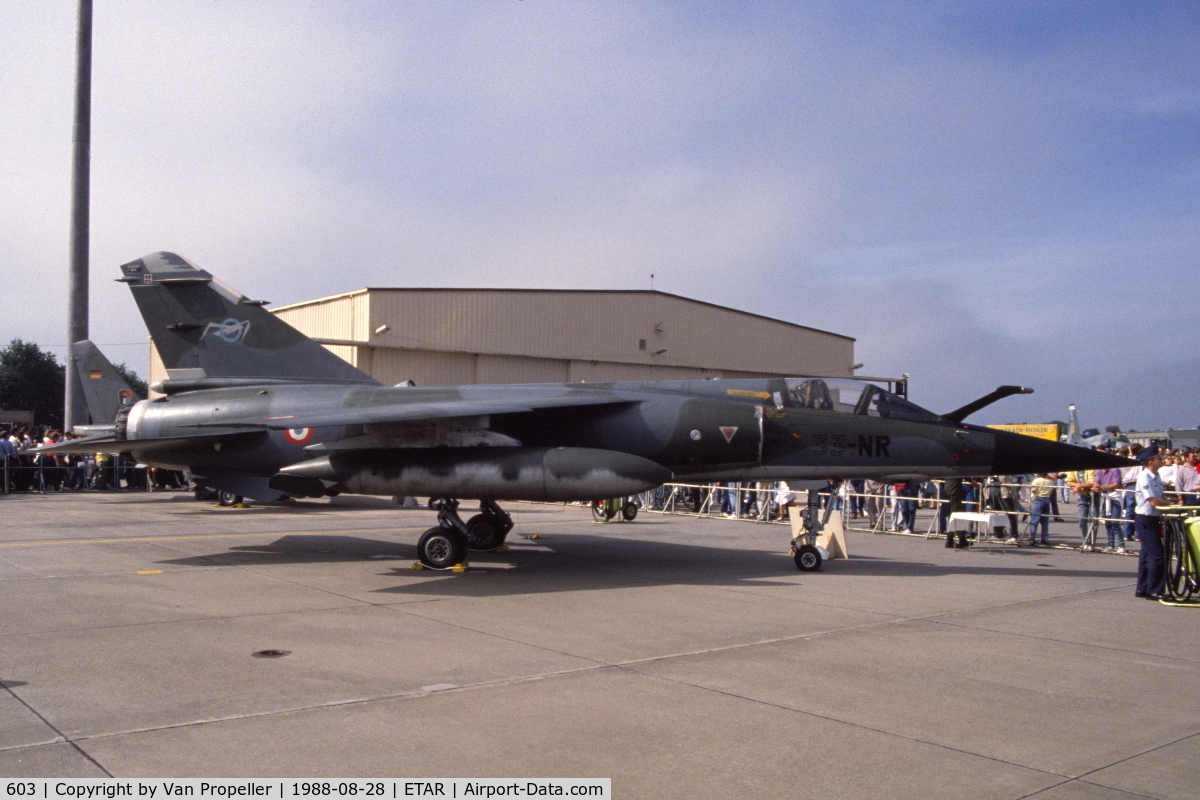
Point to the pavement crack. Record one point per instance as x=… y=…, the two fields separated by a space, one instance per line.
x=410 y=694
x=838 y=721
x=62 y=736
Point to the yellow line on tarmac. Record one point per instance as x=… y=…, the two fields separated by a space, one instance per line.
x=198 y=536
x=247 y=534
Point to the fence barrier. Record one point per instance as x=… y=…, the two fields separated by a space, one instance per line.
x=881 y=512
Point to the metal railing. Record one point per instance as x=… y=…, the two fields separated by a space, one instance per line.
x=878 y=512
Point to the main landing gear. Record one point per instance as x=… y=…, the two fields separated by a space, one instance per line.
x=447 y=544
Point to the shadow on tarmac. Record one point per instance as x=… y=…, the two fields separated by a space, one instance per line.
x=570 y=562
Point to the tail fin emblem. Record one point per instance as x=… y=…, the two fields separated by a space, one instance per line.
x=231 y=330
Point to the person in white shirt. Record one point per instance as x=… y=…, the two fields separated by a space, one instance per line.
x=1166 y=473
x=1129 y=481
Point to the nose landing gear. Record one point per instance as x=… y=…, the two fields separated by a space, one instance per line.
x=807 y=553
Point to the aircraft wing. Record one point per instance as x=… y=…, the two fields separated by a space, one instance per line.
x=109 y=444
x=418 y=411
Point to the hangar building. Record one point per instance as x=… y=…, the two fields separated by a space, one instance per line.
x=440 y=337
x=437 y=337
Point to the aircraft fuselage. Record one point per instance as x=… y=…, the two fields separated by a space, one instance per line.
x=695 y=430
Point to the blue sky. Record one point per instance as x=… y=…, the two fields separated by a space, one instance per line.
x=980 y=193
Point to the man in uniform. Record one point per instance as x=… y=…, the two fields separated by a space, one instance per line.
x=1148 y=519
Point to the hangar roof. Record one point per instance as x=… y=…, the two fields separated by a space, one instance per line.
x=627 y=326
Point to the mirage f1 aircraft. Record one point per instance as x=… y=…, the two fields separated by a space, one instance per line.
x=253 y=407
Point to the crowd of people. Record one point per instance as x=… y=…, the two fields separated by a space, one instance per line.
x=1126 y=503
x=25 y=471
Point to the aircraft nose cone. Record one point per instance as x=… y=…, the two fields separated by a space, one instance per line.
x=1017 y=454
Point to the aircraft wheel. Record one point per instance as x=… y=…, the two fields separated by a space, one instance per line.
x=601 y=511
x=808 y=558
x=204 y=493
x=484 y=532
x=442 y=548
x=629 y=511
x=228 y=499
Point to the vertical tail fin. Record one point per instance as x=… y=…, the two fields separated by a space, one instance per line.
x=203 y=329
x=1074 y=434
x=105 y=392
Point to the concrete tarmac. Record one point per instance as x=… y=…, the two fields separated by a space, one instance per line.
x=678 y=657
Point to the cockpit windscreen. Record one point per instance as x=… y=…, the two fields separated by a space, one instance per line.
x=851 y=397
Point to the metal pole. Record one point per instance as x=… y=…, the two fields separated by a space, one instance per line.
x=77 y=293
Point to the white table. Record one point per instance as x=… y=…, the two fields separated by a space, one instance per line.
x=971 y=520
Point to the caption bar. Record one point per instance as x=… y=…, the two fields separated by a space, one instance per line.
x=275 y=789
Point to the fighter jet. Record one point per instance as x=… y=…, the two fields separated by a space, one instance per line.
x=252 y=407
x=1092 y=437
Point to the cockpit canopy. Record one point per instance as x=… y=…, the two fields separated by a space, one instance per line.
x=851 y=397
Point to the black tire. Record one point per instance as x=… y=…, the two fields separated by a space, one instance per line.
x=1180 y=571
x=629 y=511
x=808 y=558
x=602 y=512
x=1172 y=561
x=228 y=499
x=485 y=532
x=442 y=548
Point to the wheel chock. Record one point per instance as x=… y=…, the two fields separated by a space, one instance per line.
x=459 y=567
x=501 y=549
x=531 y=535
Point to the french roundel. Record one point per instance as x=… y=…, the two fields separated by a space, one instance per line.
x=298 y=435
